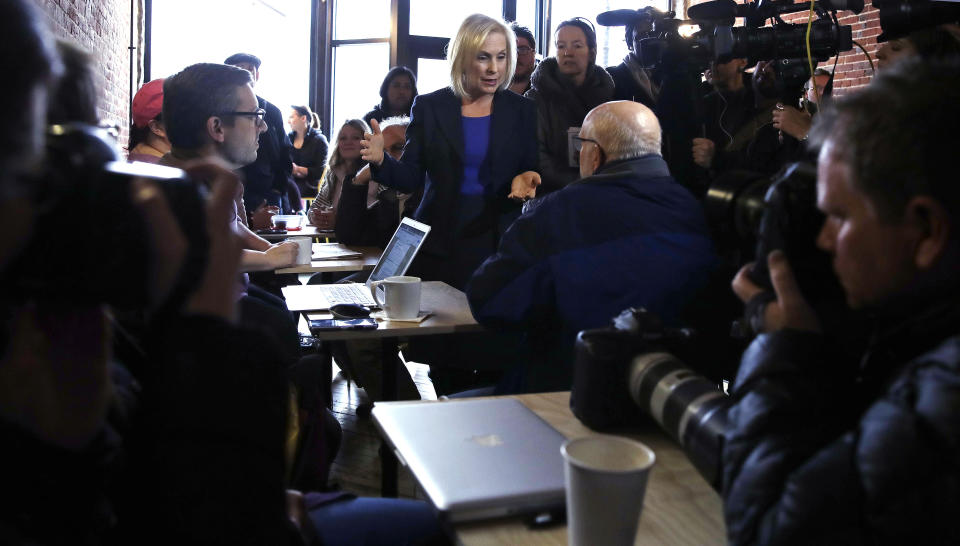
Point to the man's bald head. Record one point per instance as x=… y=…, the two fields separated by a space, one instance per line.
x=622 y=129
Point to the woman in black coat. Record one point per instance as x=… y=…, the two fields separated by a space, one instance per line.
x=309 y=152
x=472 y=146
x=397 y=92
x=564 y=89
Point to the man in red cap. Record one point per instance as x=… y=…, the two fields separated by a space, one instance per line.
x=148 y=136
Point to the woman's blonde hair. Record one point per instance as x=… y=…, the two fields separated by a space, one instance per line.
x=468 y=41
x=335 y=158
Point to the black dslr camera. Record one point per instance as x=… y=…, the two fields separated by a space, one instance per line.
x=629 y=372
x=89 y=243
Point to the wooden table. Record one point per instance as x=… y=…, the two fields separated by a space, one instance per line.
x=369 y=255
x=679 y=506
x=448 y=307
x=450 y=313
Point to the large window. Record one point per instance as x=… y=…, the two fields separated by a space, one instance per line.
x=184 y=32
x=360 y=57
x=358 y=71
x=443 y=18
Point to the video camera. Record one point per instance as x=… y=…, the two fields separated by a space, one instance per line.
x=664 y=48
x=89 y=243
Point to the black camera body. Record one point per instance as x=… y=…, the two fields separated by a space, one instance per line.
x=89 y=243
x=602 y=366
x=756 y=215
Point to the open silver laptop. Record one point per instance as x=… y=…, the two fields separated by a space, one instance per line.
x=395 y=260
x=477 y=459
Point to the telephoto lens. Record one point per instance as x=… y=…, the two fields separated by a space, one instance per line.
x=688 y=406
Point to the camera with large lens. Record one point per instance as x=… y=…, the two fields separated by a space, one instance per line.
x=89 y=243
x=631 y=371
x=752 y=215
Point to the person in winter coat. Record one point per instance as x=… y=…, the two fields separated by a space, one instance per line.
x=828 y=449
x=565 y=88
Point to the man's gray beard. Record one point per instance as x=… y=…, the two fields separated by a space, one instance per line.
x=517 y=78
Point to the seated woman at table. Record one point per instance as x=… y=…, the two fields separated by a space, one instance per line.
x=309 y=152
x=341 y=168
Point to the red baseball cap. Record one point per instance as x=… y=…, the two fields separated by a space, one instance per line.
x=148 y=102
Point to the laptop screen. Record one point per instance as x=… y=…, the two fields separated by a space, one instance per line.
x=400 y=250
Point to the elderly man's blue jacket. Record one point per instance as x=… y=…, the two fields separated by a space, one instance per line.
x=628 y=236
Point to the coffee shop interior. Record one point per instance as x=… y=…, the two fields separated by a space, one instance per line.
x=301 y=335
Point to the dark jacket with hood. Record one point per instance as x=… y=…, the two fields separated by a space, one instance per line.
x=560 y=106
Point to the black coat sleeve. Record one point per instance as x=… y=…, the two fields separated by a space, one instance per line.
x=805 y=465
x=211 y=453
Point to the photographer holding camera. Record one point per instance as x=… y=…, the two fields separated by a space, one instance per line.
x=821 y=449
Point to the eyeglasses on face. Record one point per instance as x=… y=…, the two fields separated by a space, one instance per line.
x=524 y=50
x=578 y=143
x=259 y=113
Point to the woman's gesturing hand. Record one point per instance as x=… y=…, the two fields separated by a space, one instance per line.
x=371 y=147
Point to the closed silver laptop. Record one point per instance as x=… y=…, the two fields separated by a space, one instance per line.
x=477 y=459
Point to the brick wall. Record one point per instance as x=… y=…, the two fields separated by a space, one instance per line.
x=103 y=28
x=853 y=69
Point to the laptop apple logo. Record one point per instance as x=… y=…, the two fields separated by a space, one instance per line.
x=487 y=440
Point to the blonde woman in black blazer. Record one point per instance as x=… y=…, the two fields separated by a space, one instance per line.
x=472 y=146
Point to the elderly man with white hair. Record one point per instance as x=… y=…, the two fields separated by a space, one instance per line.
x=625 y=235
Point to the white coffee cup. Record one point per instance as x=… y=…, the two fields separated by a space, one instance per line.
x=304 y=249
x=606 y=478
x=401 y=296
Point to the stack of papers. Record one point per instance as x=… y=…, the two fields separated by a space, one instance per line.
x=333 y=251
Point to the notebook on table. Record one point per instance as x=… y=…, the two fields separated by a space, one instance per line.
x=395 y=260
x=477 y=459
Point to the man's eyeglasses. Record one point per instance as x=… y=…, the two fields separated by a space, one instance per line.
x=524 y=50
x=259 y=113
x=578 y=143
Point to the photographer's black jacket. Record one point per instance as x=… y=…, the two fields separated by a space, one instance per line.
x=822 y=451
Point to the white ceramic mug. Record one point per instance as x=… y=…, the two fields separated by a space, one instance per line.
x=304 y=249
x=606 y=478
x=401 y=296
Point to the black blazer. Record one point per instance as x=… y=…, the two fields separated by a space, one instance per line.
x=433 y=157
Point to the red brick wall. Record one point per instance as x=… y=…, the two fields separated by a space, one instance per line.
x=853 y=69
x=103 y=28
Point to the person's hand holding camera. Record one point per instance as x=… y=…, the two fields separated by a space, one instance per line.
x=215 y=293
x=792 y=121
x=789 y=309
x=703 y=151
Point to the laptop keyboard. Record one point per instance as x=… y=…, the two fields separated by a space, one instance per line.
x=350 y=293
